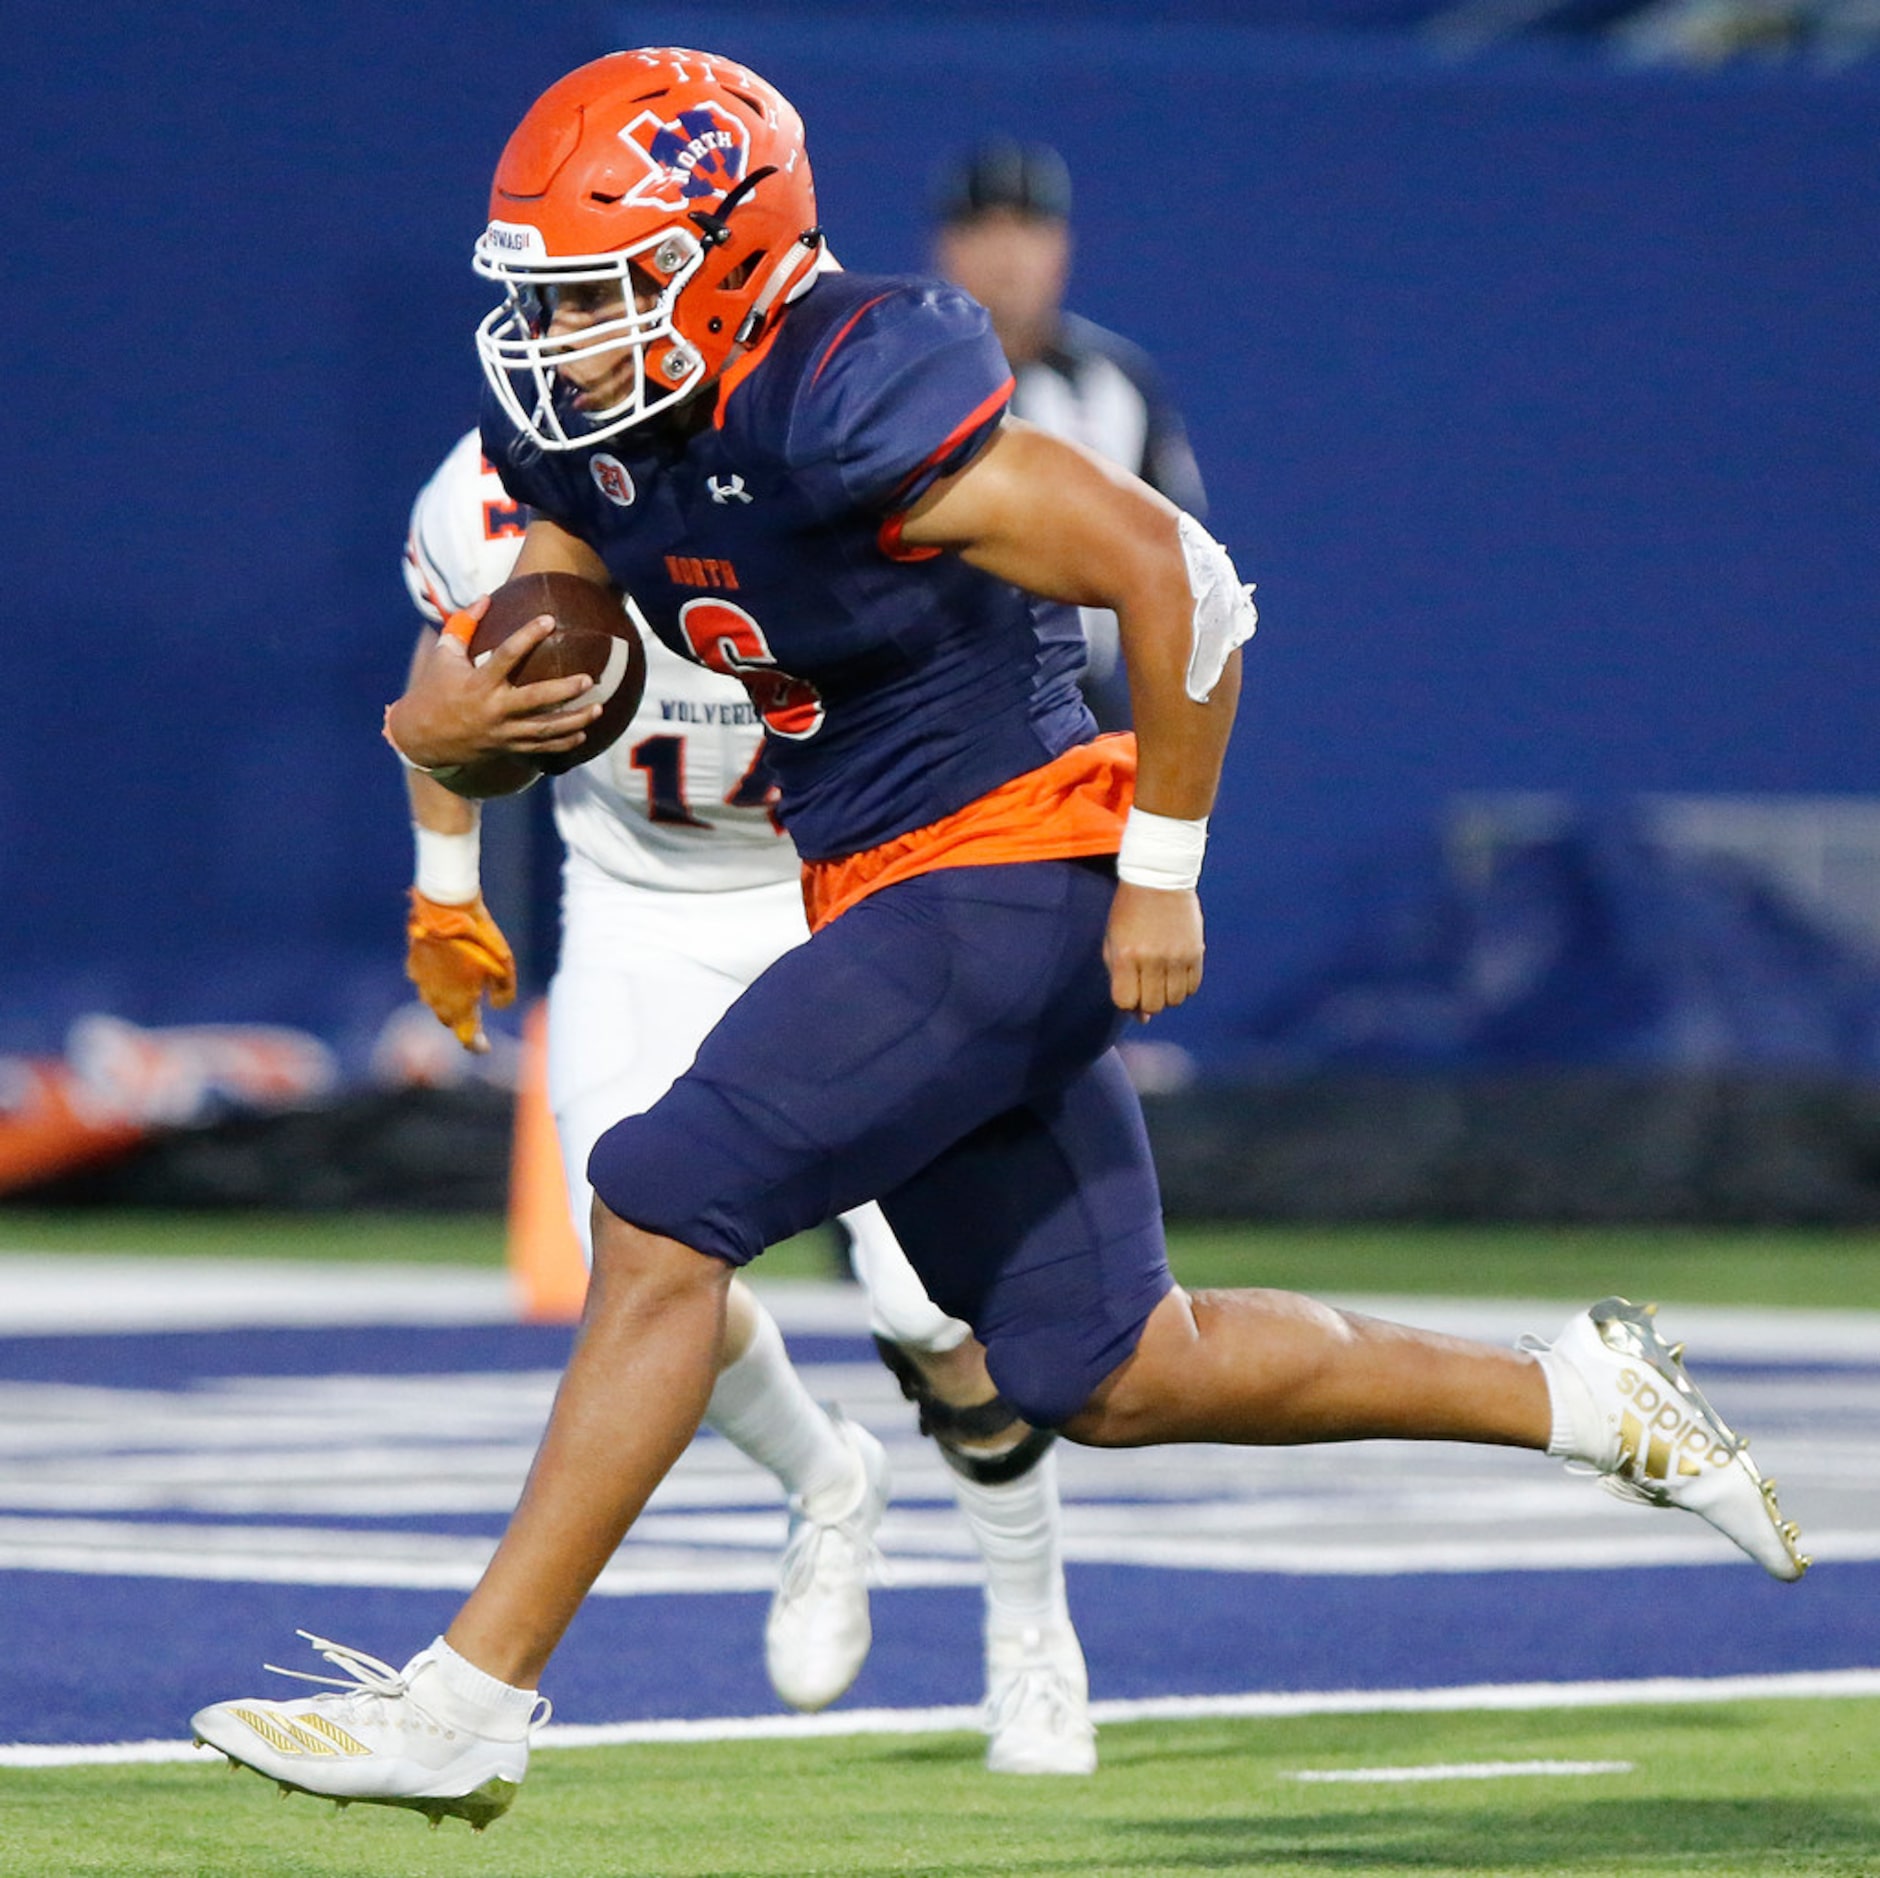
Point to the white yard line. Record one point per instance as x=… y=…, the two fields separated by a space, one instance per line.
x=1805 y=1686
x=1458 y=1770
x=47 y=1294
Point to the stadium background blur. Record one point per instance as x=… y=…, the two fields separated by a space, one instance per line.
x=1533 y=372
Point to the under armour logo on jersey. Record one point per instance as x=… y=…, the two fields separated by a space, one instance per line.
x=611 y=479
x=727 y=489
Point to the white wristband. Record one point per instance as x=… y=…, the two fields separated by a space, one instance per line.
x=448 y=865
x=1161 y=851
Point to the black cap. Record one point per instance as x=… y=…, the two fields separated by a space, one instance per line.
x=1004 y=174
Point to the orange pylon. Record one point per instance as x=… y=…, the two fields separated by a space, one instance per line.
x=544 y=1251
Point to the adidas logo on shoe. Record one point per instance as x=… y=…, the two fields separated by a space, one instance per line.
x=1661 y=1429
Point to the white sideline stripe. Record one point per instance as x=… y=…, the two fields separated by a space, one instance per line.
x=1813 y=1685
x=288 y=1555
x=52 y=1293
x=101 y=1293
x=1461 y=1770
x=96 y=1293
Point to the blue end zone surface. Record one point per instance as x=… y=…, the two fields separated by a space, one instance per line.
x=136 y=1656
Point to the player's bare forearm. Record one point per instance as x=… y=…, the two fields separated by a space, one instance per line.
x=433 y=807
x=1181 y=745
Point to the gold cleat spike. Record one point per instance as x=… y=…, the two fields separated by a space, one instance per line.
x=1769 y=1489
x=1677 y=1353
x=1650 y=1310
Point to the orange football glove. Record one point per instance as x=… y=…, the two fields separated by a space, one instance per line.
x=457 y=954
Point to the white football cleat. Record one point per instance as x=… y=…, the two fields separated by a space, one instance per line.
x=1652 y=1437
x=385 y=1736
x=1038 y=1704
x=817 y=1635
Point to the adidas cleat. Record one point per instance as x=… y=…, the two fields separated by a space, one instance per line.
x=817 y=1635
x=1652 y=1437
x=388 y=1737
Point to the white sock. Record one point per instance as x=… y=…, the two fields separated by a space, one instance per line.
x=760 y=1406
x=1015 y=1526
x=1579 y=1430
x=472 y=1698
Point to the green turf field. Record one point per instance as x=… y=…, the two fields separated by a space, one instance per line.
x=1696 y=1266
x=1729 y=1791
x=1724 y=1789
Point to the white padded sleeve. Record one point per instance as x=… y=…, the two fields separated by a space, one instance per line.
x=1224 y=616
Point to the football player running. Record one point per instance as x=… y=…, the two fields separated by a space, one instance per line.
x=994 y=892
x=678 y=888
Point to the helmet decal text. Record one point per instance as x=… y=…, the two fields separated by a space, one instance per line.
x=702 y=153
x=514 y=238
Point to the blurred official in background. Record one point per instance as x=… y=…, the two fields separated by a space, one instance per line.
x=1002 y=215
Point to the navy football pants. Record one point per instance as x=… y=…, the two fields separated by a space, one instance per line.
x=944 y=1047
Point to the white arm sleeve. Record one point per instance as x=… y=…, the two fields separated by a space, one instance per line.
x=1224 y=616
x=464 y=536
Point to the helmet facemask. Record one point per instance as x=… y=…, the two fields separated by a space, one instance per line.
x=522 y=357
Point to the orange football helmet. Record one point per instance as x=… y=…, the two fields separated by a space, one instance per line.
x=678 y=174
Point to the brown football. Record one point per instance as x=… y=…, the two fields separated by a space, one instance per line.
x=593 y=634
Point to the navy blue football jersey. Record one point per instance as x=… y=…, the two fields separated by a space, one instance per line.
x=896 y=685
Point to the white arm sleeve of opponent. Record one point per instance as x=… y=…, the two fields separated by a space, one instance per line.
x=464 y=536
x=1224 y=616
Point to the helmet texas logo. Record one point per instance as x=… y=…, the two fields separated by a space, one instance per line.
x=702 y=152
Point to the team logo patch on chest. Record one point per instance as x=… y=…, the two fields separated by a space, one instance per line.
x=700 y=153
x=611 y=479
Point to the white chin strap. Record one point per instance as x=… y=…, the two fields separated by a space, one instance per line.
x=1224 y=616
x=790 y=279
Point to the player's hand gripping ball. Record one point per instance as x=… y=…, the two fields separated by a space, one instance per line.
x=593 y=634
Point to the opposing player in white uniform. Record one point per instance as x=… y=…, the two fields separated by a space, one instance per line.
x=678 y=888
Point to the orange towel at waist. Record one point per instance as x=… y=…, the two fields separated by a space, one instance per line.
x=1072 y=806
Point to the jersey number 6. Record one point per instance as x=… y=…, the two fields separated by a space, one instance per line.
x=726 y=639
